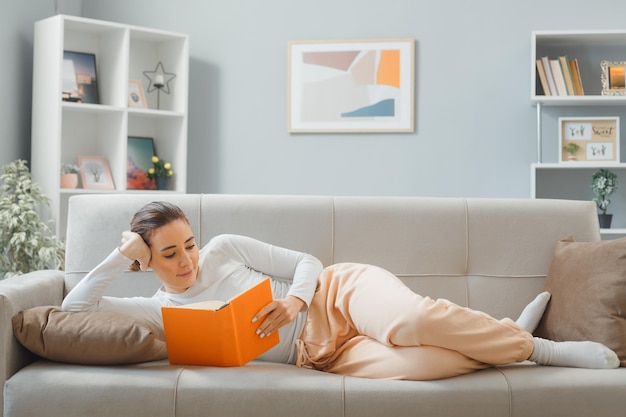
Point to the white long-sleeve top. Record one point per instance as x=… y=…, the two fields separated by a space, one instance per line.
x=228 y=265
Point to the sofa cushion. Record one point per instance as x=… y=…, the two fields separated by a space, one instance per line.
x=97 y=338
x=587 y=281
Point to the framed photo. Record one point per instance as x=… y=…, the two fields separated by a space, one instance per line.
x=80 y=83
x=139 y=159
x=613 y=82
x=136 y=96
x=589 y=139
x=351 y=86
x=95 y=172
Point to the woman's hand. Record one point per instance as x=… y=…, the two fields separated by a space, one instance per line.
x=134 y=247
x=279 y=312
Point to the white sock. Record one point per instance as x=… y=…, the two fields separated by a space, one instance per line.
x=532 y=314
x=573 y=354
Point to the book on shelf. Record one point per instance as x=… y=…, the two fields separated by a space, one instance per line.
x=562 y=76
x=567 y=75
x=548 y=69
x=559 y=80
x=543 y=78
x=217 y=333
x=578 y=84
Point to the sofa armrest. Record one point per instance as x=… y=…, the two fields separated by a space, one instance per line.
x=45 y=287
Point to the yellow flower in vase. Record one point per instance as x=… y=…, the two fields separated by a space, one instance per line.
x=161 y=172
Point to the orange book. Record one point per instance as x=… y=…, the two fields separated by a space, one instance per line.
x=578 y=84
x=217 y=333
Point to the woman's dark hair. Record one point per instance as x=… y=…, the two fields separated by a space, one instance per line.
x=151 y=217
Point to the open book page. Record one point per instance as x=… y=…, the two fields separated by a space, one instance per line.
x=206 y=305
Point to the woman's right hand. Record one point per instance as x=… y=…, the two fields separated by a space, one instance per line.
x=134 y=247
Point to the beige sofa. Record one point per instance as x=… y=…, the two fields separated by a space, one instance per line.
x=489 y=254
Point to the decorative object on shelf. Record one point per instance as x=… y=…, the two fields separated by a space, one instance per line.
x=80 y=83
x=613 y=82
x=161 y=172
x=95 y=172
x=159 y=80
x=351 y=86
x=140 y=151
x=598 y=138
x=571 y=148
x=136 y=98
x=603 y=184
x=22 y=232
x=69 y=175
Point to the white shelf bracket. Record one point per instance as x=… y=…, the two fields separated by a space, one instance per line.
x=539 y=133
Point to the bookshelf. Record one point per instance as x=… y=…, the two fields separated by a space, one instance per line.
x=64 y=130
x=571 y=180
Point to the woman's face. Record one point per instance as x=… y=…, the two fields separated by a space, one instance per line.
x=174 y=256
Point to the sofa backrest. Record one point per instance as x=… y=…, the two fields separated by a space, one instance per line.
x=488 y=254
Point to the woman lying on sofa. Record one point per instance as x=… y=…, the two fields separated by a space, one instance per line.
x=350 y=319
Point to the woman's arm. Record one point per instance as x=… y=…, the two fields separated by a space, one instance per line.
x=284 y=264
x=88 y=294
x=280 y=263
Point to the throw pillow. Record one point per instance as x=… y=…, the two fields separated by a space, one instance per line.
x=587 y=281
x=96 y=338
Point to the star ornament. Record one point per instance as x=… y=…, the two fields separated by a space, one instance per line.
x=159 y=79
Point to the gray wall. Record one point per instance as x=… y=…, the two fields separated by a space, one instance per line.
x=475 y=127
x=16 y=68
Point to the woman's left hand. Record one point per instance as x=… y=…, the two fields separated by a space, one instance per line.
x=279 y=312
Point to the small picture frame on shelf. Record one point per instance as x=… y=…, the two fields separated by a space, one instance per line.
x=139 y=160
x=613 y=81
x=136 y=96
x=80 y=81
x=95 y=172
x=588 y=139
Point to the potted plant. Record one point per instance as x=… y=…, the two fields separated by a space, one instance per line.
x=161 y=172
x=26 y=242
x=603 y=184
x=571 y=148
x=69 y=175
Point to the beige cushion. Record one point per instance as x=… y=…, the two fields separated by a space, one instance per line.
x=587 y=281
x=96 y=338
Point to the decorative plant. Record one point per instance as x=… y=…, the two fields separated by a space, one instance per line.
x=26 y=242
x=70 y=169
x=603 y=184
x=160 y=169
x=571 y=148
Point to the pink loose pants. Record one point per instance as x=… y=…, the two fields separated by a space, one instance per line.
x=363 y=321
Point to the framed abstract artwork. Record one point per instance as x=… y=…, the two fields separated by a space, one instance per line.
x=140 y=151
x=80 y=82
x=351 y=86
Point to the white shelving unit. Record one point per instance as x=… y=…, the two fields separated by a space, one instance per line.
x=62 y=131
x=571 y=180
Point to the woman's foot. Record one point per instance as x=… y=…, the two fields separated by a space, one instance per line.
x=573 y=354
x=532 y=314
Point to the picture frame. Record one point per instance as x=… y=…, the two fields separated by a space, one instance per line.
x=589 y=140
x=95 y=172
x=80 y=80
x=140 y=151
x=136 y=96
x=360 y=85
x=613 y=78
